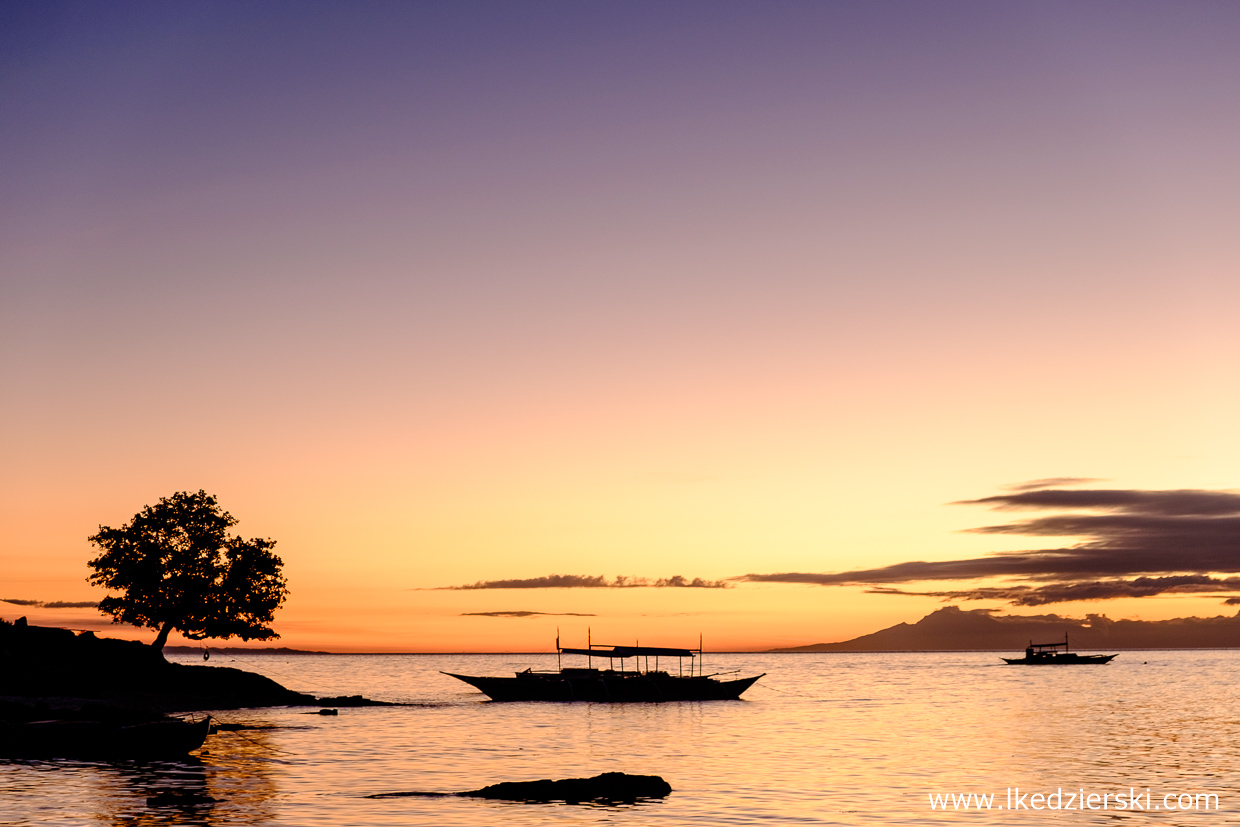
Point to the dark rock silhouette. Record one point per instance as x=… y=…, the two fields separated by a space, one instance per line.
x=610 y=786
x=615 y=787
x=48 y=663
x=954 y=629
x=352 y=701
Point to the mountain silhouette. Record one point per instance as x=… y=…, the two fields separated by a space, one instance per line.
x=955 y=629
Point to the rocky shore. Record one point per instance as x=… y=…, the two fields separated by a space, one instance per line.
x=60 y=668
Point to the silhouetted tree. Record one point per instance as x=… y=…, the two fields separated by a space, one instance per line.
x=178 y=569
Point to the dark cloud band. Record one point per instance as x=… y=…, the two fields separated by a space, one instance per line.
x=581 y=581
x=1083 y=590
x=527 y=614
x=1134 y=543
x=51 y=604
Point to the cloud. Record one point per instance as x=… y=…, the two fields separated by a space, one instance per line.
x=1049 y=482
x=1183 y=502
x=527 y=614
x=582 y=581
x=1082 y=590
x=53 y=604
x=1131 y=543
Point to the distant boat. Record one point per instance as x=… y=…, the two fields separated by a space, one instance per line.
x=1055 y=654
x=639 y=684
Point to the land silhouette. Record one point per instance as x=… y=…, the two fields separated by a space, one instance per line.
x=67 y=695
x=70 y=671
x=239 y=650
x=955 y=629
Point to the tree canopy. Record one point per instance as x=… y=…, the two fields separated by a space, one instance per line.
x=177 y=568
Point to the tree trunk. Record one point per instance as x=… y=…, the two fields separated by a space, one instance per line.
x=162 y=637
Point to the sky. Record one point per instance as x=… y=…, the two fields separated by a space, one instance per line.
x=778 y=296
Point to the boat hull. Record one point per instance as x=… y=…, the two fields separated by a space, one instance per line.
x=101 y=740
x=1060 y=660
x=615 y=688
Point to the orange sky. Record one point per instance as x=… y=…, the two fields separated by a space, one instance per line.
x=438 y=299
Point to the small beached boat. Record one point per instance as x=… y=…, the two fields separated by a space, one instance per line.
x=1055 y=654
x=165 y=738
x=639 y=684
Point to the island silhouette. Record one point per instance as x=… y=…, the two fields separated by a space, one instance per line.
x=954 y=629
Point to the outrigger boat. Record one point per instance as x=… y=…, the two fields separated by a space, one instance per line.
x=1053 y=654
x=611 y=684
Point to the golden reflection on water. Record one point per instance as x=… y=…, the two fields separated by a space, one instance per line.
x=229 y=782
x=181 y=790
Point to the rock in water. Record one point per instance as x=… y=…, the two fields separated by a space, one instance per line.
x=610 y=786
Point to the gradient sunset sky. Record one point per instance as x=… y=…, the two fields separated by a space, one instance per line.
x=440 y=294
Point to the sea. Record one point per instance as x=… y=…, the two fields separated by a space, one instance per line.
x=1153 y=738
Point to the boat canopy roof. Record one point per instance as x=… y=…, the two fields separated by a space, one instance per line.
x=629 y=651
x=1049 y=647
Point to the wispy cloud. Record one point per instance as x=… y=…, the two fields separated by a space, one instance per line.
x=527 y=614
x=51 y=604
x=1132 y=543
x=1049 y=482
x=584 y=581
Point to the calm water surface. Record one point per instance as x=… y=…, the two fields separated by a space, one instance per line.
x=823 y=739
